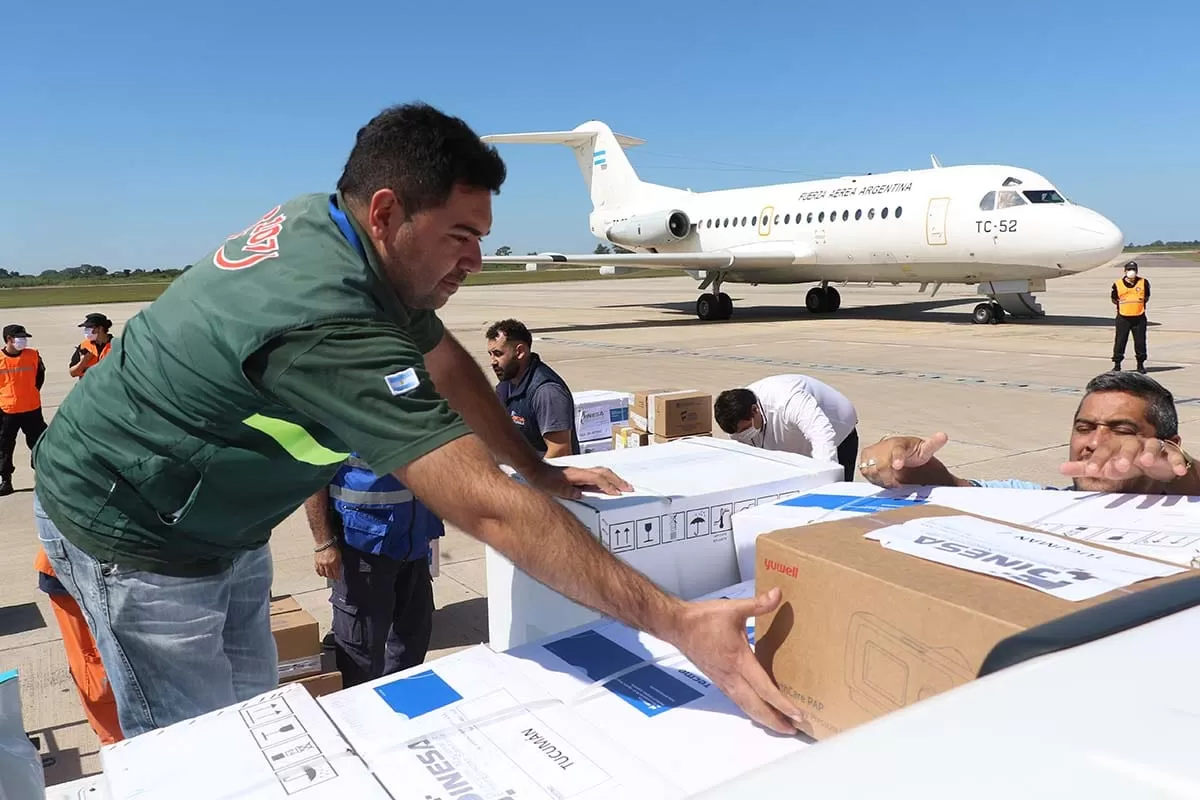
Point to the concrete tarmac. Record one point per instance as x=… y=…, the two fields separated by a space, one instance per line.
x=1005 y=395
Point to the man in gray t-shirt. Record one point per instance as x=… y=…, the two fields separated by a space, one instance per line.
x=538 y=400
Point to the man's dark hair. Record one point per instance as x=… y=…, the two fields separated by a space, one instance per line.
x=513 y=330
x=733 y=406
x=420 y=154
x=1160 y=403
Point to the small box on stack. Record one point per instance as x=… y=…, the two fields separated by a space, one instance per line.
x=298 y=643
x=597 y=413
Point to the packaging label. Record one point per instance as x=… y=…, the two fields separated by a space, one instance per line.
x=1057 y=567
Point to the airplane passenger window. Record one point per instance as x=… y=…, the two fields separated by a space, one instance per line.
x=871 y=213
x=845 y=215
x=709 y=223
x=899 y=211
x=787 y=218
x=743 y=220
x=1009 y=200
x=777 y=219
x=858 y=215
x=1045 y=196
x=726 y=224
x=754 y=220
x=833 y=216
x=810 y=218
x=988 y=202
x=883 y=213
x=821 y=217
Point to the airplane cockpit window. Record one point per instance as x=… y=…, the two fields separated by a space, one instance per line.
x=1011 y=182
x=988 y=203
x=1044 y=196
x=1009 y=200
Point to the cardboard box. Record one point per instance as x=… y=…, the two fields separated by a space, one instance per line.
x=864 y=630
x=1156 y=526
x=643 y=401
x=597 y=411
x=542 y=721
x=673 y=414
x=320 y=685
x=674 y=528
x=596 y=446
x=276 y=745
x=284 y=603
x=628 y=436
x=298 y=642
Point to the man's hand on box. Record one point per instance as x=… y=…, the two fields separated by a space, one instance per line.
x=572 y=482
x=713 y=636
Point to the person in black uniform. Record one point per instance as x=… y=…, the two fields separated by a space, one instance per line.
x=537 y=399
x=1130 y=295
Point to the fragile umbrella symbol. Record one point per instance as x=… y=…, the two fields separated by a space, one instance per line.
x=697 y=521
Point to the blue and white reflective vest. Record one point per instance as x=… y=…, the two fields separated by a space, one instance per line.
x=380 y=515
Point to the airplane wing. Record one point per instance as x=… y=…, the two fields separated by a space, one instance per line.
x=712 y=259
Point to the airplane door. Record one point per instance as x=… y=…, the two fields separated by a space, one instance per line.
x=935 y=224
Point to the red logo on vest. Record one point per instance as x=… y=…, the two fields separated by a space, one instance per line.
x=262 y=242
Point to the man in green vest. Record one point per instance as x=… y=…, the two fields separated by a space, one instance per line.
x=241 y=390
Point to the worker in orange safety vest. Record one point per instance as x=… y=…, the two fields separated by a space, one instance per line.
x=22 y=374
x=96 y=344
x=1130 y=295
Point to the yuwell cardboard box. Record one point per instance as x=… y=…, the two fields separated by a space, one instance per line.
x=627 y=436
x=674 y=528
x=672 y=414
x=1156 y=526
x=870 y=625
x=297 y=639
x=597 y=411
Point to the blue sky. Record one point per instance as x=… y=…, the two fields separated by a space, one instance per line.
x=140 y=134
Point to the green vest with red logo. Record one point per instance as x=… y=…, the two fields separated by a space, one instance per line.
x=167 y=458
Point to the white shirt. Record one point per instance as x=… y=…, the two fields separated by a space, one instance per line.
x=803 y=415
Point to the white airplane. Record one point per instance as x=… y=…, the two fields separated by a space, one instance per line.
x=1003 y=229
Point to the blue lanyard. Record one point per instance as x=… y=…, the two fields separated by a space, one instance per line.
x=346 y=228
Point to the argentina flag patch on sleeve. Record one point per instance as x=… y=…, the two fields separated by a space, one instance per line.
x=402 y=382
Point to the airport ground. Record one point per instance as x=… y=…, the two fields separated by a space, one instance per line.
x=1004 y=394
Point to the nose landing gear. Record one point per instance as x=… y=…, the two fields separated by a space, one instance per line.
x=988 y=314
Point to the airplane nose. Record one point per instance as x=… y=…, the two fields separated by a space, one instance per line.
x=1097 y=242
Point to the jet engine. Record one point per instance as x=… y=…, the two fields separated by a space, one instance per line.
x=650 y=230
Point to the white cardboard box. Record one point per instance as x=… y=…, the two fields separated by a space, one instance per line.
x=675 y=528
x=1159 y=526
x=597 y=712
x=597 y=410
x=468 y=725
x=276 y=745
x=596 y=446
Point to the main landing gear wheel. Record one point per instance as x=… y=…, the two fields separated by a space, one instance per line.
x=714 y=307
x=823 y=300
x=988 y=314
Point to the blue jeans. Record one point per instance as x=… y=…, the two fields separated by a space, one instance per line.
x=173 y=648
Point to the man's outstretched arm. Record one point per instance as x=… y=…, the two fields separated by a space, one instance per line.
x=459 y=482
x=907 y=461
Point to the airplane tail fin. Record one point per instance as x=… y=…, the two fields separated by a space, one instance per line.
x=610 y=178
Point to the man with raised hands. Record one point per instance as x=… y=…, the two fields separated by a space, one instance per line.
x=1124 y=439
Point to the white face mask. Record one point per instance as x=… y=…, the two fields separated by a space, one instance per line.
x=1130 y=274
x=19 y=343
x=89 y=334
x=750 y=436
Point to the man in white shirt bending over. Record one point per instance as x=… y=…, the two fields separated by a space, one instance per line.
x=794 y=413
